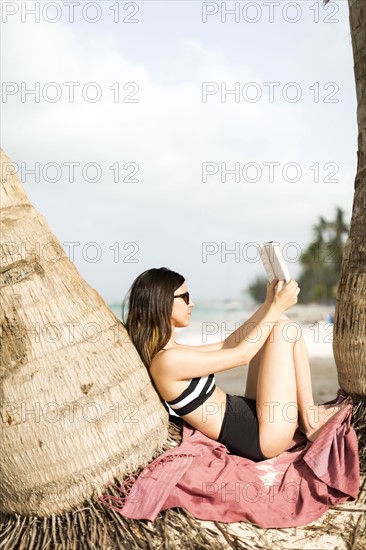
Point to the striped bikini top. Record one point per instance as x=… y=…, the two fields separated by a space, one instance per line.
x=196 y=393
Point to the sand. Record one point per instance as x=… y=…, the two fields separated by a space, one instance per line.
x=342 y=527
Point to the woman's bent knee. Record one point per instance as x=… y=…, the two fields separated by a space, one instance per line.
x=289 y=331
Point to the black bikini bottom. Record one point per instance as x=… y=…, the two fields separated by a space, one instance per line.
x=240 y=431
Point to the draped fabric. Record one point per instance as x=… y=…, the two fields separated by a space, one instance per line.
x=289 y=490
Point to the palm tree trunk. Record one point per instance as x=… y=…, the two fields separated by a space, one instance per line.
x=350 y=316
x=77 y=405
x=349 y=344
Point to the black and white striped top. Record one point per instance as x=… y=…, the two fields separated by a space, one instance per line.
x=196 y=393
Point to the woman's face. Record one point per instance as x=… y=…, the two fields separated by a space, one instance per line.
x=181 y=312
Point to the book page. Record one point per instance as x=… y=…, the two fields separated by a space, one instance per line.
x=278 y=268
x=267 y=264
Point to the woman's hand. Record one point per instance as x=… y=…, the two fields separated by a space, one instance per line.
x=282 y=295
x=271 y=291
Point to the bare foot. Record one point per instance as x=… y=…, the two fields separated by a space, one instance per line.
x=321 y=415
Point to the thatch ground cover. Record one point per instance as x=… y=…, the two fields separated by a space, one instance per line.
x=95 y=526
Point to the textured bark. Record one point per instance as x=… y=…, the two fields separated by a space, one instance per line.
x=350 y=317
x=77 y=405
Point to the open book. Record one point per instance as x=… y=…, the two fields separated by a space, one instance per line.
x=274 y=262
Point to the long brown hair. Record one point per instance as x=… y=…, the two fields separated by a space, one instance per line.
x=149 y=303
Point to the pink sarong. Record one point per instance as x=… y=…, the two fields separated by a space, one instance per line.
x=291 y=489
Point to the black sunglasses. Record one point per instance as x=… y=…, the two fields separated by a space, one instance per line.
x=184 y=296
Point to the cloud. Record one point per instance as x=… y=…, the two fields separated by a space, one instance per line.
x=166 y=135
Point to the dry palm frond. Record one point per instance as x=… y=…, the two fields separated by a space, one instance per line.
x=359 y=424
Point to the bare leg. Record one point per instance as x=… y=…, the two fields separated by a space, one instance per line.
x=276 y=393
x=252 y=376
x=313 y=416
x=283 y=384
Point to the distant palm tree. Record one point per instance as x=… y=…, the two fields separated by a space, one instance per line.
x=78 y=407
x=319 y=230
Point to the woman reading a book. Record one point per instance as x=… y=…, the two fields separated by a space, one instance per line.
x=278 y=393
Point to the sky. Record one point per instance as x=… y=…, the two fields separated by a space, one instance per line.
x=180 y=133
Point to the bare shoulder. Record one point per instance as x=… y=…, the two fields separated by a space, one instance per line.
x=167 y=366
x=171 y=358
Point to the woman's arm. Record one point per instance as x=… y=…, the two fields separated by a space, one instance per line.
x=185 y=363
x=240 y=333
x=235 y=337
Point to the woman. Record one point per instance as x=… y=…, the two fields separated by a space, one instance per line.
x=278 y=391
